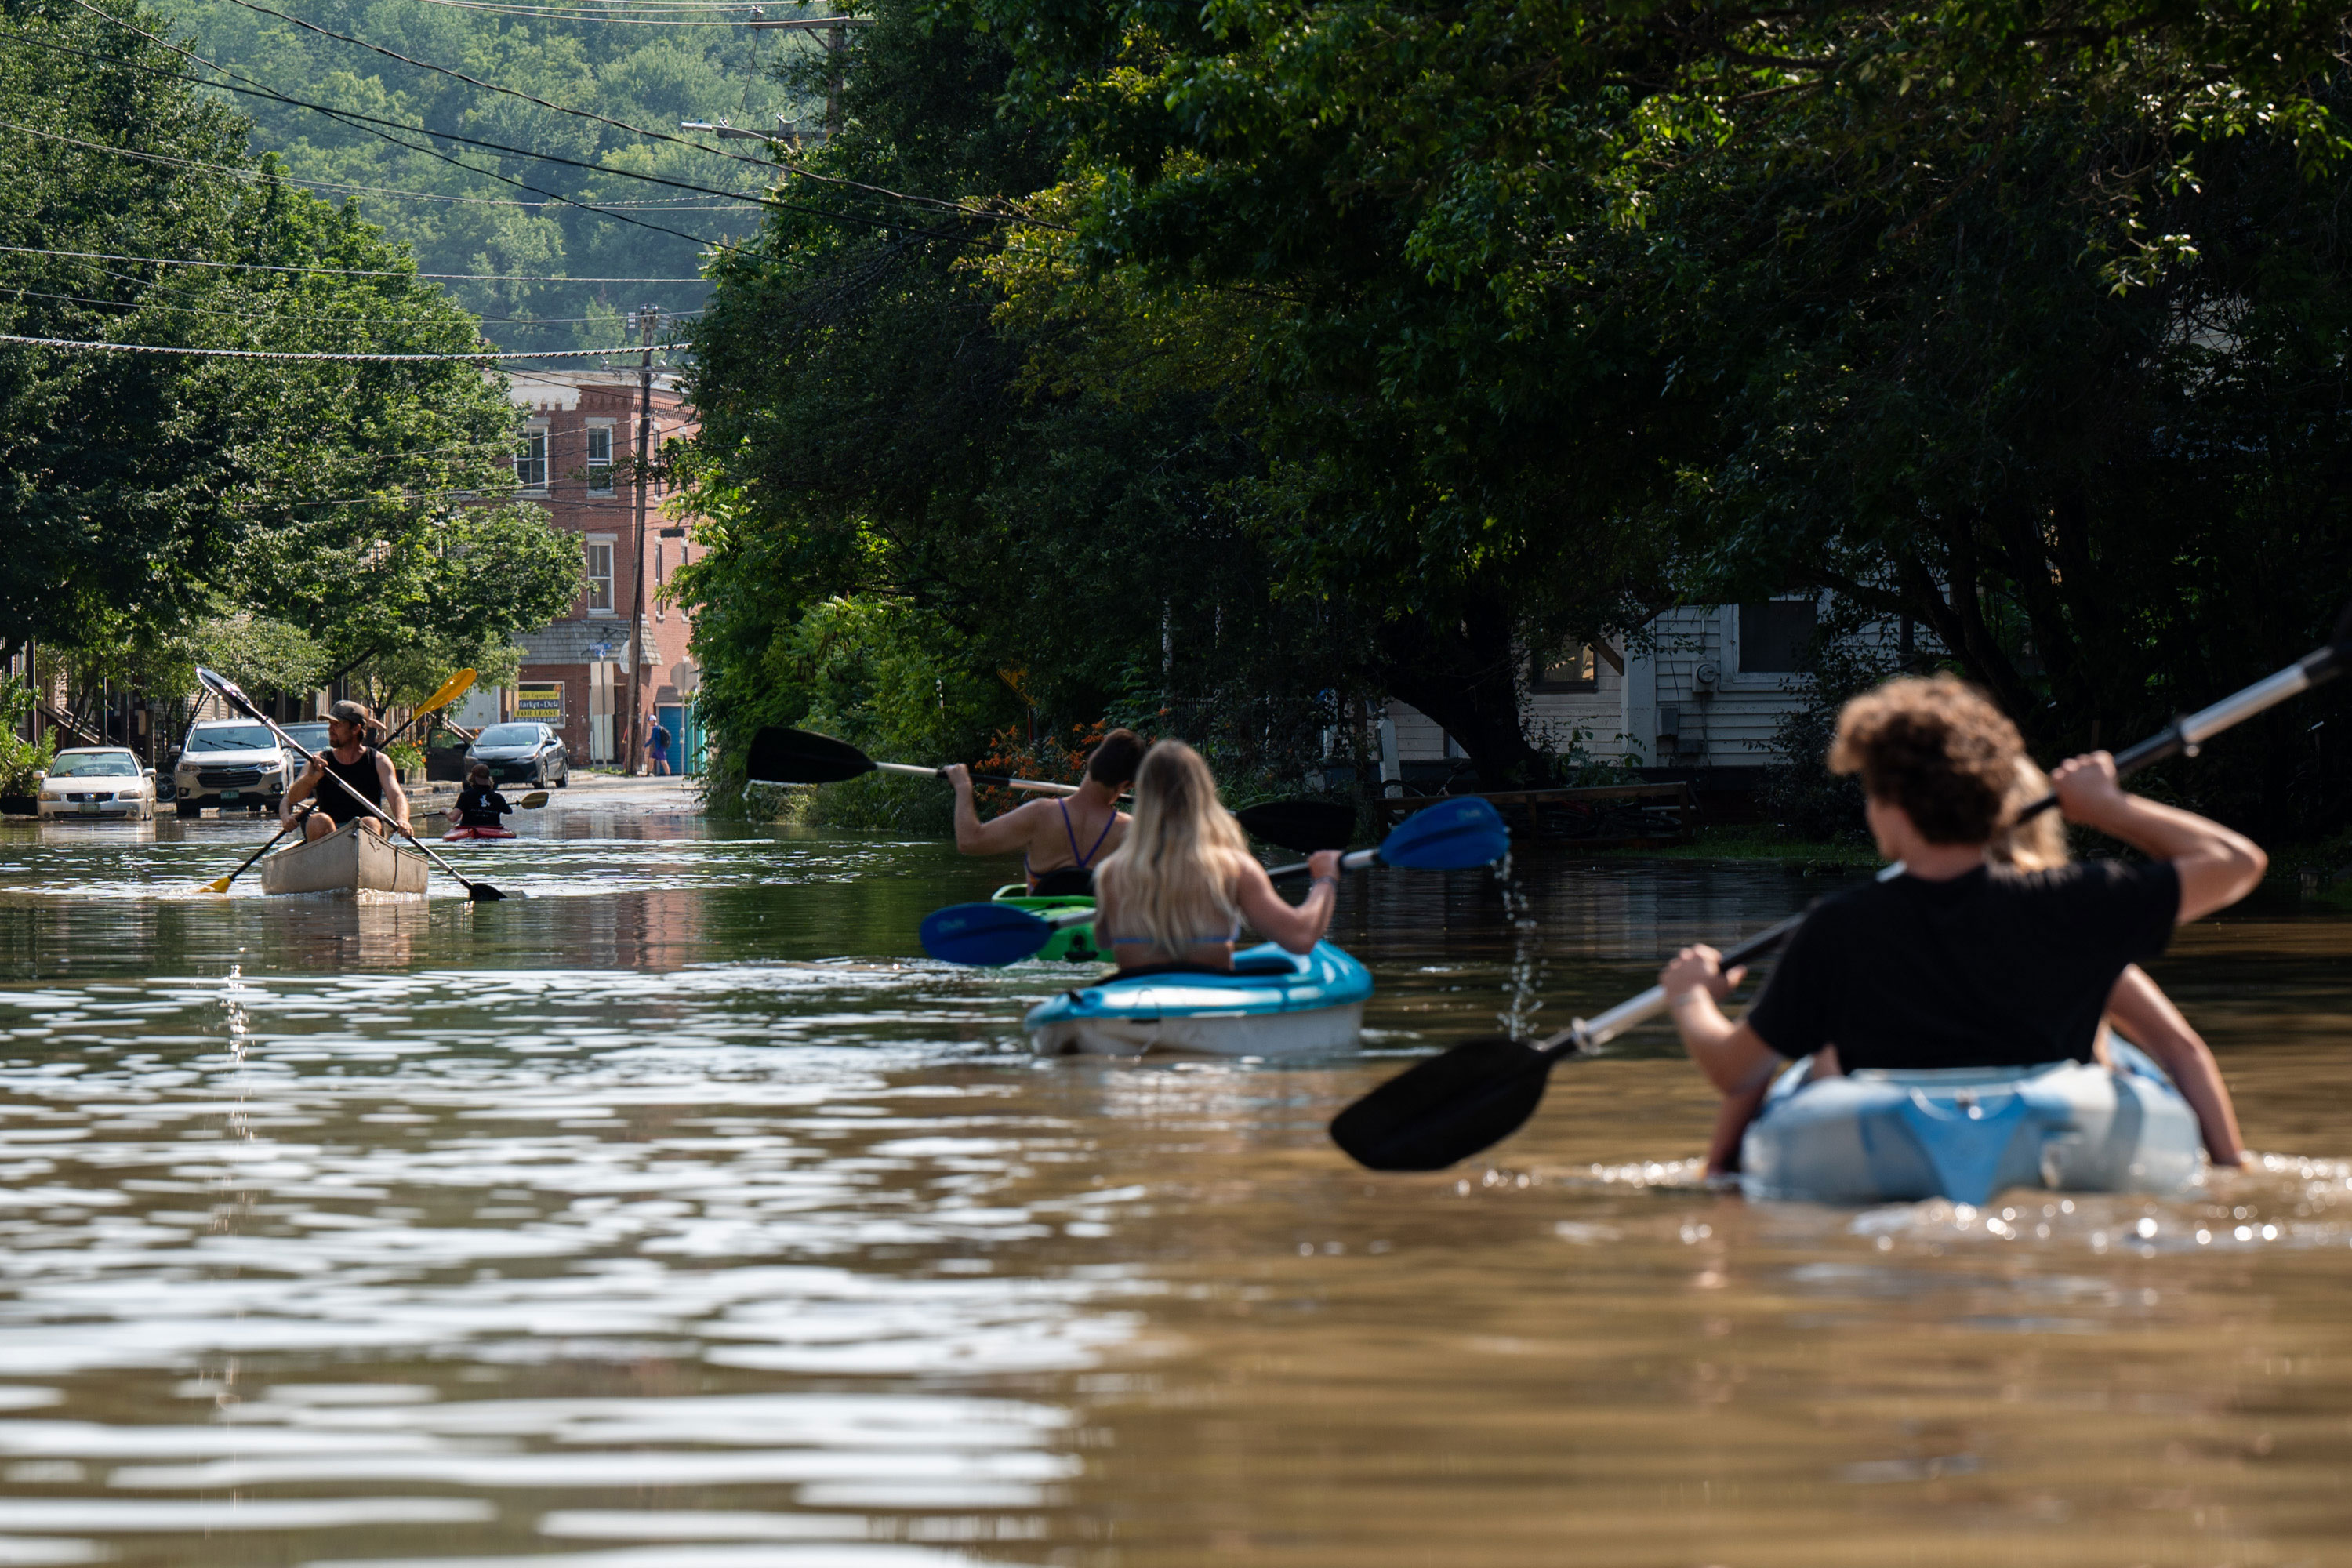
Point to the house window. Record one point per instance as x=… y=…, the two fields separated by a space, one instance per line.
x=659 y=579
x=600 y=578
x=1776 y=636
x=1572 y=668
x=600 y=458
x=531 y=459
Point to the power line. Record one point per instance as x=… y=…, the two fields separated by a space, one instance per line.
x=573 y=13
x=338 y=271
x=933 y=202
x=323 y=354
x=494 y=87
x=356 y=120
x=281 y=316
x=261 y=176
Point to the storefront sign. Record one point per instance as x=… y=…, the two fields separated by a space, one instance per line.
x=539 y=702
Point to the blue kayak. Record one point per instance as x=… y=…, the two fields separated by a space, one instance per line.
x=1272 y=1003
x=1966 y=1134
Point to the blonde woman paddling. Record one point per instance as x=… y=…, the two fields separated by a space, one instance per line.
x=1183 y=883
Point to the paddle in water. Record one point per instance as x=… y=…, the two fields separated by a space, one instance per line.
x=782 y=756
x=1473 y=1097
x=228 y=691
x=220 y=885
x=1451 y=835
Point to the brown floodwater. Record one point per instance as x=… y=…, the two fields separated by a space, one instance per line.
x=682 y=1215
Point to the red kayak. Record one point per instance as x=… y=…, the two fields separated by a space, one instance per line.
x=456 y=834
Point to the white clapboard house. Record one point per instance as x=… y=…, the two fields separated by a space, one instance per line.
x=1699 y=697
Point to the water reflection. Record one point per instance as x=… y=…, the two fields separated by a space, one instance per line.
x=682 y=1214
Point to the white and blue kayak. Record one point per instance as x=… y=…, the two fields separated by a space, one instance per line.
x=1273 y=1004
x=1966 y=1134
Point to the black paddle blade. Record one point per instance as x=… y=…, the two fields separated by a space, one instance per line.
x=778 y=756
x=1445 y=1108
x=1305 y=825
x=483 y=893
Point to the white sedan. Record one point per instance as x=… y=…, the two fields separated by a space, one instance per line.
x=98 y=781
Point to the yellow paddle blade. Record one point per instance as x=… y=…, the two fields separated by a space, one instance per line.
x=454 y=688
x=220 y=885
x=533 y=801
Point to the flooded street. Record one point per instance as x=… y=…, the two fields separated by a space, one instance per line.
x=682 y=1215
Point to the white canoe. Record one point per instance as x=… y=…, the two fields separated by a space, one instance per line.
x=351 y=860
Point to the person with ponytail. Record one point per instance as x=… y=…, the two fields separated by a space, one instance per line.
x=1183 y=883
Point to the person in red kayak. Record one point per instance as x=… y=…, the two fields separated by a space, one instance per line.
x=480 y=806
x=1061 y=838
x=352 y=759
x=1960 y=961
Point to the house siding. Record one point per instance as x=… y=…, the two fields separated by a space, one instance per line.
x=1726 y=725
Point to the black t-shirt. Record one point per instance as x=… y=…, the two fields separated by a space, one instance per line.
x=478 y=807
x=1995 y=968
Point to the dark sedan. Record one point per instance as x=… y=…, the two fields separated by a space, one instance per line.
x=522 y=754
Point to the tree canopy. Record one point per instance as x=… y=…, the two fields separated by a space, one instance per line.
x=353 y=498
x=1511 y=323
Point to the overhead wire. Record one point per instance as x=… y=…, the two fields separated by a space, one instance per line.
x=263 y=175
x=322 y=354
x=337 y=271
x=282 y=316
x=371 y=122
x=937 y=202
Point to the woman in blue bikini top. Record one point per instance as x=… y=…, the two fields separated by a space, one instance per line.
x=1049 y=833
x=1180 y=887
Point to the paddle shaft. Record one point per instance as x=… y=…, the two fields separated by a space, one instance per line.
x=291 y=744
x=247 y=864
x=2182 y=737
x=1354 y=861
x=912 y=770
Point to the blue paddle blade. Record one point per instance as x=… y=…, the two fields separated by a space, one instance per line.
x=987 y=934
x=1451 y=835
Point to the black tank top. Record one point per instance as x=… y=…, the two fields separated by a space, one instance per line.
x=360 y=775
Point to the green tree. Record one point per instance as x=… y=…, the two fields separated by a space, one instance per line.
x=902 y=407
x=356 y=499
x=2020 y=319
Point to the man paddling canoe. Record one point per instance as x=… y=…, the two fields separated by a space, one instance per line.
x=351 y=757
x=1060 y=839
x=1958 y=962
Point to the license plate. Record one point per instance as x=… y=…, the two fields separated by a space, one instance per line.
x=228 y=794
x=88 y=808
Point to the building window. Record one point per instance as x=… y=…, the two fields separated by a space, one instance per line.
x=1572 y=668
x=600 y=578
x=1776 y=636
x=600 y=458
x=659 y=579
x=531 y=459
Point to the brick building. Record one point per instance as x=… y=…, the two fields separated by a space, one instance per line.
x=580 y=431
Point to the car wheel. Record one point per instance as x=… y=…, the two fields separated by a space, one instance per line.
x=187 y=808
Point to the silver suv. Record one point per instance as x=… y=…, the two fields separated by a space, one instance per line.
x=230 y=764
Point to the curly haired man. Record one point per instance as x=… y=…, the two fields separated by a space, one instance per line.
x=1959 y=961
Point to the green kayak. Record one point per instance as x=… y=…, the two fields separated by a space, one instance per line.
x=1071 y=944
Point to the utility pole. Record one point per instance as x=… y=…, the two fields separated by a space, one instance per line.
x=834 y=42
x=649 y=321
